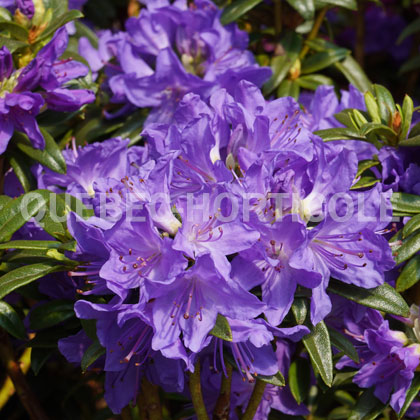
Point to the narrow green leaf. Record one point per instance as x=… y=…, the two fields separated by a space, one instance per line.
x=383 y=298
x=379 y=130
x=83 y=30
x=364 y=165
x=32 y=245
x=365 y=182
x=222 y=329
x=409 y=30
x=342 y=343
x=17 y=212
x=410 y=274
x=91 y=355
x=22 y=170
x=409 y=247
x=288 y=88
x=281 y=64
x=277 y=379
x=11 y=322
x=58 y=22
x=354 y=73
x=300 y=379
x=12 y=44
x=237 y=9
x=300 y=310
x=321 y=60
x=47 y=157
x=385 y=103
x=411 y=394
x=39 y=357
x=25 y=275
x=347 y=4
x=410 y=142
x=318 y=346
x=305 y=8
x=407 y=203
x=15 y=30
x=407 y=116
x=368 y=407
x=341 y=133
x=410 y=65
x=50 y=314
x=372 y=107
x=411 y=226
x=312 y=81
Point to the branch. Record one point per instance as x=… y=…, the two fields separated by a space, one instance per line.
x=196 y=394
x=314 y=32
x=149 y=401
x=26 y=396
x=255 y=400
x=222 y=409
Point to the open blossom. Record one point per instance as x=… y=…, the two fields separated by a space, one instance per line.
x=19 y=105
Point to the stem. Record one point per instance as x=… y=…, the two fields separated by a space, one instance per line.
x=26 y=396
x=277 y=17
x=222 y=409
x=359 y=49
x=149 y=401
x=8 y=388
x=314 y=32
x=196 y=394
x=255 y=400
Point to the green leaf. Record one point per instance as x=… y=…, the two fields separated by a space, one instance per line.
x=50 y=157
x=354 y=73
x=340 y=342
x=385 y=102
x=410 y=275
x=281 y=64
x=277 y=379
x=409 y=30
x=321 y=60
x=383 y=298
x=17 y=212
x=91 y=355
x=11 y=322
x=12 y=44
x=407 y=116
x=379 y=130
x=84 y=31
x=340 y=133
x=411 y=394
x=5 y=15
x=15 y=30
x=319 y=348
x=222 y=329
x=58 y=22
x=300 y=310
x=405 y=203
x=25 y=275
x=305 y=8
x=237 y=9
x=299 y=379
x=38 y=245
x=288 y=88
x=409 y=247
x=347 y=4
x=411 y=226
x=365 y=182
x=22 y=171
x=4 y=199
x=50 y=314
x=410 y=65
x=372 y=107
x=364 y=165
x=39 y=357
x=410 y=142
x=312 y=81
x=368 y=407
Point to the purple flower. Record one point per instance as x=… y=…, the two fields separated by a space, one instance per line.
x=26 y=7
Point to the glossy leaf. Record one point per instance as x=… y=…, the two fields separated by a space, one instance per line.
x=348 y=4
x=318 y=345
x=383 y=298
x=341 y=133
x=58 y=22
x=365 y=182
x=25 y=275
x=368 y=407
x=411 y=226
x=409 y=30
x=22 y=170
x=222 y=329
x=354 y=73
x=11 y=322
x=407 y=203
x=340 y=342
x=277 y=379
x=306 y=8
x=410 y=274
x=411 y=394
x=237 y=9
x=23 y=244
x=385 y=103
x=364 y=165
x=407 y=115
x=410 y=142
x=299 y=379
x=300 y=310
x=91 y=355
x=312 y=81
x=50 y=314
x=321 y=60
x=288 y=88
x=409 y=247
